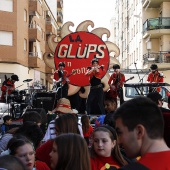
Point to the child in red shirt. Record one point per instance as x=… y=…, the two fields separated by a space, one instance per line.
x=87 y=128
x=105 y=152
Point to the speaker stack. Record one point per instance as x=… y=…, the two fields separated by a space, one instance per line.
x=47 y=101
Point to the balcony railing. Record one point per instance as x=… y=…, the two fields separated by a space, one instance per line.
x=33 y=54
x=156 y=23
x=161 y=57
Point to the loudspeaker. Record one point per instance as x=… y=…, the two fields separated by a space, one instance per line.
x=46 y=101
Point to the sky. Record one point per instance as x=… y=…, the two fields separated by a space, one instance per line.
x=98 y=11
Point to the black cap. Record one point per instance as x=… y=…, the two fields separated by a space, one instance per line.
x=116 y=66
x=153 y=67
x=61 y=64
x=95 y=60
x=15 y=77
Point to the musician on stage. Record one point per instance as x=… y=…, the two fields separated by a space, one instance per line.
x=61 y=81
x=116 y=82
x=96 y=94
x=8 y=86
x=155 y=77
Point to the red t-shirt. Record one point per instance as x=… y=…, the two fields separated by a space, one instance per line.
x=101 y=163
x=157 y=160
x=42 y=153
x=41 y=166
x=89 y=132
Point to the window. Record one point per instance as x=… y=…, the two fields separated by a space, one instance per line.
x=132 y=59
x=140 y=53
x=25 y=15
x=137 y=26
x=6 y=38
x=25 y=45
x=131 y=92
x=134 y=30
x=6 y=5
x=132 y=33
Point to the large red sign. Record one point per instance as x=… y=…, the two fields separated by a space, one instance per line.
x=77 y=50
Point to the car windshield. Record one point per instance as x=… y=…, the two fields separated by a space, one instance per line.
x=131 y=92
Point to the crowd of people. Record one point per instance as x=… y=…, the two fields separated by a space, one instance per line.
x=134 y=135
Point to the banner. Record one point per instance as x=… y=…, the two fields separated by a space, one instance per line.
x=77 y=50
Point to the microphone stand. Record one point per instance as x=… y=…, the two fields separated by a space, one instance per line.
x=143 y=77
x=137 y=72
x=141 y=90
x=62 y=75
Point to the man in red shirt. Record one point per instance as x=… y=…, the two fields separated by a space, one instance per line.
x=116 y=82
x=8 y=86
x=155 y=77
x=140 y=129
x=61 y=81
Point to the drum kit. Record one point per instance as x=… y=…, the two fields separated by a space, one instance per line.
x=19 y=100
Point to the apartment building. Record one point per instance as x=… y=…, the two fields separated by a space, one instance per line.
x=24 y=28
x=156 y=33
x=141 y=29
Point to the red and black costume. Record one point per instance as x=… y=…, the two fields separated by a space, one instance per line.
x=61 y=82
x=7 y=87
x=117 y=80
x=96 y=93
x=155 y=77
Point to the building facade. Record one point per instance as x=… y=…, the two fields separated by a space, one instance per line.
x=141 y=29
x=24 y=29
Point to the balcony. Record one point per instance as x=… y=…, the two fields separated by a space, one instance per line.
x=60 y=17
x=156 y=27
x=60 y=4
x=50 y=28
x=59 y=34
x=33 y=60
x=153 y=4
x=34 y=33
x=35 y=6
x=162 y=59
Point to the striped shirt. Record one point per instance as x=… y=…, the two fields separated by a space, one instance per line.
x=50 y=133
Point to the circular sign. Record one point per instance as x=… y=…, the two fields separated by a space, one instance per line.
x=77 y=50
